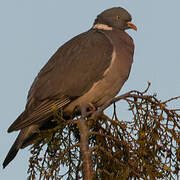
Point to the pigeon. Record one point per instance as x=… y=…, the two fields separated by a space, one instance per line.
x=89 y=69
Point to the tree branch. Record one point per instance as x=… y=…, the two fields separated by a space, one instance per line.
x=84 y=145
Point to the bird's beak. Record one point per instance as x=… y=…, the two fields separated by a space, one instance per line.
x=131 y=26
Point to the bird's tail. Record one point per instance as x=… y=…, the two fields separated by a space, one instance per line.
x=20 y=142
x=12 y=152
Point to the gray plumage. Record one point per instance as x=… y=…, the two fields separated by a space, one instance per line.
x=90 y=68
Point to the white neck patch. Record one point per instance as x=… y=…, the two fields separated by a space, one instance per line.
x=103 y=27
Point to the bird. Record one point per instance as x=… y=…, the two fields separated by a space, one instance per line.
x=89 y=69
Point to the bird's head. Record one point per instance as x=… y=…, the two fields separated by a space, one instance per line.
x=116 y=17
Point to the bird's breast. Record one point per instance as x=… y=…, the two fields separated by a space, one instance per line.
x=114 y=76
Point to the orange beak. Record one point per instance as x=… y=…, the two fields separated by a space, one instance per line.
x=132 y=26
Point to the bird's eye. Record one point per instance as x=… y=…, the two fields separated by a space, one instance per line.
x=117 y=17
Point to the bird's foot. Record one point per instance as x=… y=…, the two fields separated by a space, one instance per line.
x=91 y=108
x=87 y=109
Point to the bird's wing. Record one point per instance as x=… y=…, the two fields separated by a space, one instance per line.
x=70 y=73
x=44 y=110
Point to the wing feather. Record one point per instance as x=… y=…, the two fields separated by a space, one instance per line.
x=41 y=113
x=69 y=74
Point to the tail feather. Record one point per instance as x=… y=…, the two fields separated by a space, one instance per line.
x=24 y=135
x=12 y=153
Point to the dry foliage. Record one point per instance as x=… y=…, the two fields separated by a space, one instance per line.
x=99 y=147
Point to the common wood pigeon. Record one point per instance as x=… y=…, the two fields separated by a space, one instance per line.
x=91 y=68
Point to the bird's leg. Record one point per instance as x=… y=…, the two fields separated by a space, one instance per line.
x=91 y=107
x=84 y=110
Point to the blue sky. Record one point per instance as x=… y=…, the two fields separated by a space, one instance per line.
x=31 y=31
